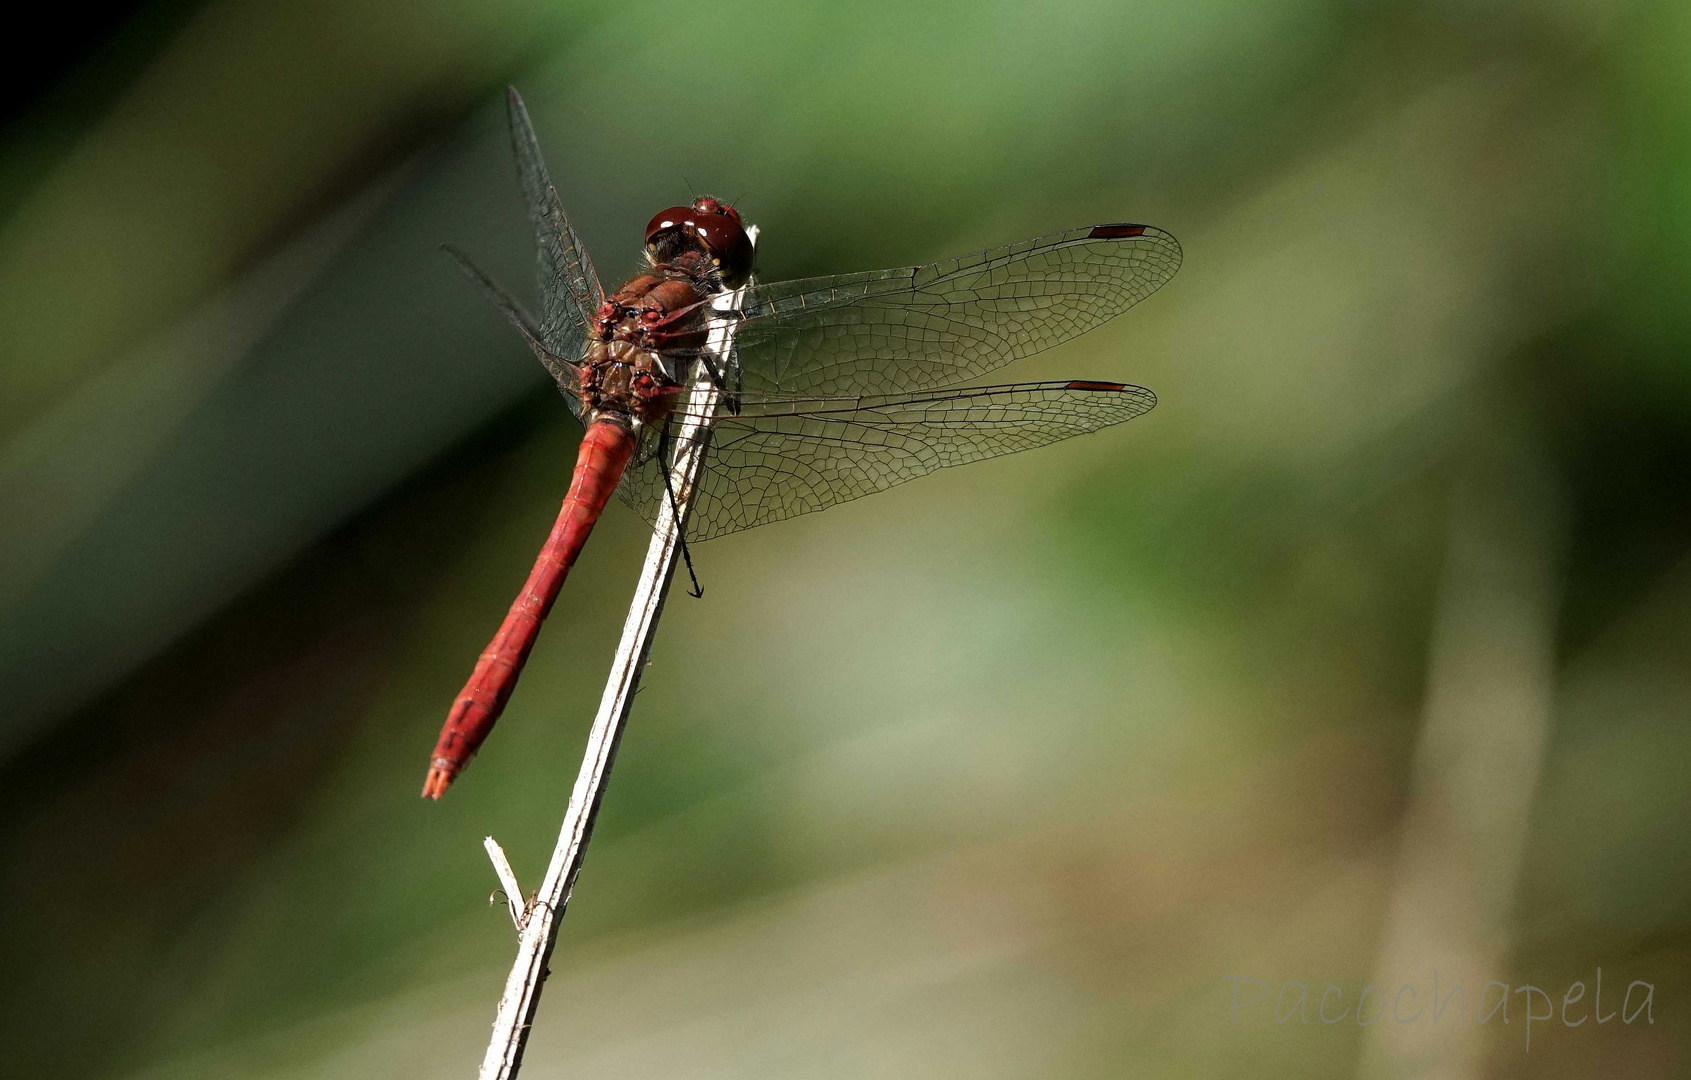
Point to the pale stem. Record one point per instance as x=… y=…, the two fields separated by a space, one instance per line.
x=1488 y=715
x=538 y=931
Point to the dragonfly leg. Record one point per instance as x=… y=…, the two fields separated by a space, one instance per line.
x=730 y=398
x=697 y=591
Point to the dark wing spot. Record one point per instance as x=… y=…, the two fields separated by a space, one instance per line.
x=1115 y=232
x=1083 y=384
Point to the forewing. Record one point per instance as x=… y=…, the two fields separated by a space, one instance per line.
x=921 y=327
x=784 y=457
x=570 y=293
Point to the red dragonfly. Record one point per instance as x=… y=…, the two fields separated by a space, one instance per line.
x=835 y=387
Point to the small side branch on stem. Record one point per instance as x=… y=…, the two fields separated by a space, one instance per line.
x=507 y=881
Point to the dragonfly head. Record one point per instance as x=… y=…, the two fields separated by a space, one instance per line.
x=709 y=226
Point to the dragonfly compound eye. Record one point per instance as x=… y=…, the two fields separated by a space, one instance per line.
x=706 y=226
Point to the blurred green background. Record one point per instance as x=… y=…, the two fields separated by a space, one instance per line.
x=1364 y=655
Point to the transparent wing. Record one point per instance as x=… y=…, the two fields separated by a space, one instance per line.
x=921 y=327
x=784 y=456
x=563 y=371
x=570 y=293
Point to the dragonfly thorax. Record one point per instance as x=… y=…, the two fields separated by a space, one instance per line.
x=620 y=378
x=625 y=370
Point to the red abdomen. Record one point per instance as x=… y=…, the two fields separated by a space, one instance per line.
x=605 y=450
